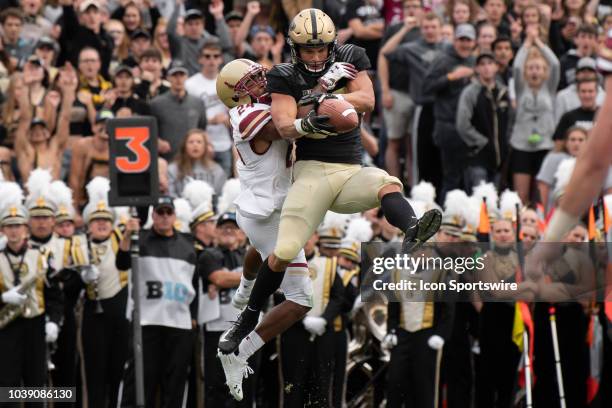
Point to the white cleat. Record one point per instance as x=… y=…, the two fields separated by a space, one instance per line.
x=235 y=368
x=240 y=299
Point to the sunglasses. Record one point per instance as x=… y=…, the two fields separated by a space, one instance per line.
x=209 y=56
x=164 y=211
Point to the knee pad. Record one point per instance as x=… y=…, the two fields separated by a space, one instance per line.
x=287 y=248
x=297 y=286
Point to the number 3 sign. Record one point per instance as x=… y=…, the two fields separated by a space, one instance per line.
x=133 y=161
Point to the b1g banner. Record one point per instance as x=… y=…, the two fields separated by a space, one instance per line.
x=133 y=161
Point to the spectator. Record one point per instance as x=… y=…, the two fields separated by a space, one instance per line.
x=496 y=12
x=567 y=99
x=398 y=107
x=483 y=122
x=203 y=85
x=140 y=41
x=486 y=36
x=461 y=11
x=91 y=82
x=266 y=47
x=11 y=111
x=572 y=141
x=47 y=51
x=176 y=111
x=34 y=145
x=121 y=42
x=234 y=20
x=90 y=158
x=6 y=69
x=451 y=72
x=122 y=97
x=193 y=162
x=365 y=20
x=76 y=36
x=292 y=7
x=161 y=42
x=536 y=75
x=586 y=44
x=168 y=310
x=132 y=16
x=503 y=52
x=584 y=115
x=151 y=82
x=187 y=47
x=17 y=47
x=35 y=25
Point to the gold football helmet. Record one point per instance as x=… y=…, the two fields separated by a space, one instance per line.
x=312 y=28
x=237 y=81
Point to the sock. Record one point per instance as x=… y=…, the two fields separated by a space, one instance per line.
x=245 y=285
x=250 y=344
x=265 y=285
x=398 y=211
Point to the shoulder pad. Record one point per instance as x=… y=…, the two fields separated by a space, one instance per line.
x=283 y=70
x=345 y=52
x=252 y=118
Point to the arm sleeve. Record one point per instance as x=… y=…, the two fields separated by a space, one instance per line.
x=195 y=281
x=547 y=170
x=123 y=260
x=225 y=39
x=555 y=70
x=436 y=79
x=203 y=121
x=446 y=313
x=336 y=302
x=208 y=262
x=465 y=111
x=562 y=126
x=54 y=300
x=393 y=315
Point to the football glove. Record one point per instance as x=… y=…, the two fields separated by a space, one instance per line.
x=313 y=123
x=335 y=73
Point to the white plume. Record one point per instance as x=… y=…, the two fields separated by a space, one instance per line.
x=424 y=191
x=487 y=191
x=471 y=211
x=122 y=214
x=61 y=194
x=335 y=220
x=197 y=192
x=10 y=194
x=360 y=230
x=183 y=214
x=98 y=189
x=455 y=202
x=230 y=191
x=38 y=184
x=419 y=207
x=507 y=204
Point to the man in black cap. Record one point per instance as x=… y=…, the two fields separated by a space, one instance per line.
x=483 y=122
x=450 y=72
x=123 y=96
x=140 y=41
x=176 y=111
x=168 y=306
x=187 y=47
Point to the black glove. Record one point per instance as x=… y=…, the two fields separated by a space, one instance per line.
x=315 y=99
x=313 y=123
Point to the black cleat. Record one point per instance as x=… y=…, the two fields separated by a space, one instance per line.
x=246 y=323
x=424 y=229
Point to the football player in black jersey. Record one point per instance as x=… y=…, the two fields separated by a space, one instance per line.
x=328 y=174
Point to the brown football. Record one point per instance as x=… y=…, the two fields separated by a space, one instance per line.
x=342 y=115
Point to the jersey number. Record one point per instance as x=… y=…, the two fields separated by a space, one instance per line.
x=241 y=108
x=136 y=138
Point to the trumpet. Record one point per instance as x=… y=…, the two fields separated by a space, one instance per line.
x=11 y=312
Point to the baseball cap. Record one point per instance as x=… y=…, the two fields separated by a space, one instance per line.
x=138 y=33
x=226 y=217
x=123 y=68
x=87 y=4
x=256 y=29
x=37 y=121
x=192 y=13
x=103 y=115
x=177 y=66
x=465 y=31
x=483 y=55
x=586 y=63
x=46 y=41
x=234 y=15
x=164 y=201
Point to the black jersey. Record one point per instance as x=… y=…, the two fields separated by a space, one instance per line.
x=288 y=80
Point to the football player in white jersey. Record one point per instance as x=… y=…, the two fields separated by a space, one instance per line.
x=264 y=170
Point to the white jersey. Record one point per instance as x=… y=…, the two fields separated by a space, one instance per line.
x=264 y=178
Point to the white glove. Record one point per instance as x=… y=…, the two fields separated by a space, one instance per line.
x=435 y=342
x=89 y=274
x=315 y=325
x=389 y=341
x=51 y=332
x=13 y=297
x=335 y=73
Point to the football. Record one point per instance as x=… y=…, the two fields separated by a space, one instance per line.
x=342 y=115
